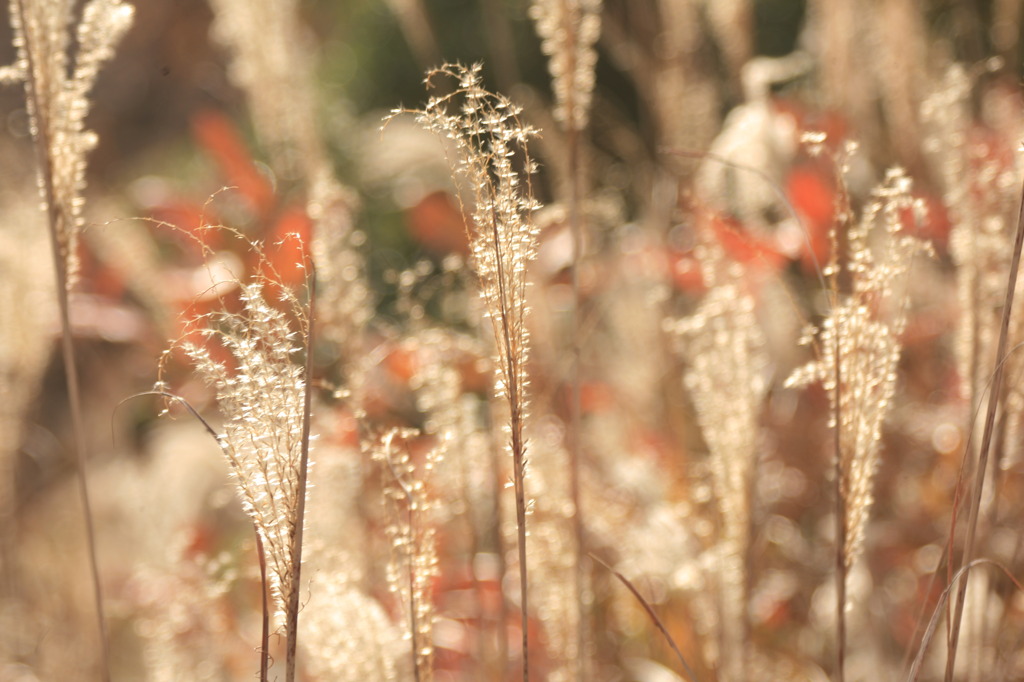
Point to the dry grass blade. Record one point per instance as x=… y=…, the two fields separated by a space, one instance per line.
x=959 y=578
x=986 y=441
x=653 y=616
x=265 y=613
x=292 y=624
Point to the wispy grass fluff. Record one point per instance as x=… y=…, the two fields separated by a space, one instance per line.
x=350 y=637
x=413 y=564
x=59 y=55
x=568 y=30
x=271 y=63
x=27 y=312
x=492 y=169
x=261 y=393
x=859 y=342
x=727 y=365
x=59 y=70
x=980 y=190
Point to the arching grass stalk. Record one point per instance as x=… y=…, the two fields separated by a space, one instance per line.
x=248 y=357
x=264 y=647
x=654 y=618
x=986 y=442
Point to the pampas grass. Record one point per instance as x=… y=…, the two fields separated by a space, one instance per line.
x=488 y=138
x=859 y=350
x=724 y=350
x=265 y=398
x=58 y=69
x=518 y=409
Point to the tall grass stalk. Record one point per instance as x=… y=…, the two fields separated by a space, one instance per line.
x=576 y=406
x=986 y=442
x=264 y=612
x=77 y=426
x=292 y=615
x=489 y=140
x=58 y=71
x=266 y=399
x=568 y=30
x=840 y=512
x=860 y=346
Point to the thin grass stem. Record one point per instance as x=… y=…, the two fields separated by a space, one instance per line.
x=576 y=404
x=57 y=223
x=264 y=612
x=986 y=440
x=292 y=626
x=653 y=616
x=959 y=578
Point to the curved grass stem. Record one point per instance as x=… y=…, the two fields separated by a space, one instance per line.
x=986 y=442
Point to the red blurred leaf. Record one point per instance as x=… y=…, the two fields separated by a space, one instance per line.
x=934 y=226
x=813 y=197
x=220 y=138
x=832 y=123
x=193 y=221
x=287 y=249
x=596 y=396
x=437 y=223
x=401 y=364
x=744 y=247
x=686 y=274
x=102 y=280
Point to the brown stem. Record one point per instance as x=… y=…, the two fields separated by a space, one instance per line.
x=413 y=620
x=518 y=458
x=986 y=440
x=840 y=541
x=841 y=486
x=514 y=391
x=411 y=551
x=576 y=407
x=839 y=233
x=265 y=629
x=292 y=626
x=501 y=632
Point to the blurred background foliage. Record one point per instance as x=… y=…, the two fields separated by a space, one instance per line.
x=173 y=131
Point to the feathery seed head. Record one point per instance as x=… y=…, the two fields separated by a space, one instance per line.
x=568 y=30
x=261 y=395
x=492 y=168
x=57 y=98
x=862 y=337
